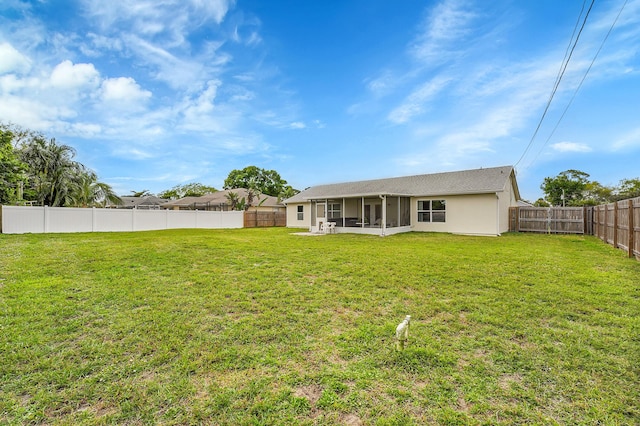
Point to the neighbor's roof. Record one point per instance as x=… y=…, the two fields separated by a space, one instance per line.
x=146 y=200
x=220 y=197
x=478 y=181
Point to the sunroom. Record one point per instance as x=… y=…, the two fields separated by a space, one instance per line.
x=380 y=214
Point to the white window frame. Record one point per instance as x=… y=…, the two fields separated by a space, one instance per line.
x=300 y=213
x=431 y=209
x=332 y=210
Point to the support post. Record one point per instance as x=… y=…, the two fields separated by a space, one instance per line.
x=615 y=224
x=632 y=231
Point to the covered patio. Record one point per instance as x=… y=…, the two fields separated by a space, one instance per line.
x=379 y=214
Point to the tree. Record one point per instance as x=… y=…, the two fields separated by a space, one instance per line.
x=51 y=175
x=12 y=170
x=287 y=192
x=143 y=193
x=565 y=189
x=89 y=192
x=187 y=190
x=268 y=182
x=51 y=171
x=541 y=202
x=595 y=193
x=233 y=199
x=628 y=188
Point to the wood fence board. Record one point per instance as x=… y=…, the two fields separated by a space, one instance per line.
x=255 y=219
x=556 y=220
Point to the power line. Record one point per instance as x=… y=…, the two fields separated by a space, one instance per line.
x=615 y=21
x=557 y=83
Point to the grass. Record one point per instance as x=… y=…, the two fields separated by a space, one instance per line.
x=252 y=327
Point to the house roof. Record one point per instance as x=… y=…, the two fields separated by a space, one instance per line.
x=220 y=197
x=146 y=200
x=477 y=181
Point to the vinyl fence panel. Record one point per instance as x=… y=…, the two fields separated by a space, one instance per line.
x=21 y=220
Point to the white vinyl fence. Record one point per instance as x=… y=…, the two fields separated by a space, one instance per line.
x=38 y=220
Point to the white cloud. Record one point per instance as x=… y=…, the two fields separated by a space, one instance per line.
x=447 y=24
x=416 y=102
x=201 y=113
x=124 y=90
x=383 y=84
x=66 y=75
x=13 y=60
x=86 y=130
x=297 y=125
x=170 y=20
x=571 y=147
x=630 y=139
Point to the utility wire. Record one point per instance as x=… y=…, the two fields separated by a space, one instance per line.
x=615 y=21
x=567 y=50
x=555 y=88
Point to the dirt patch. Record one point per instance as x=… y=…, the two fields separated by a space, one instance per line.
x=505 y=381
x=463 y=405
x=350 y=420
x=311 y=393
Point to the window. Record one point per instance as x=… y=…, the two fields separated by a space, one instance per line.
x=334 y=210
x=431 y=211
x=300 y=212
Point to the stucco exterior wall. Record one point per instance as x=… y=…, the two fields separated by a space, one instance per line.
x=292 y=215
x=507 y=199
x=465 y=214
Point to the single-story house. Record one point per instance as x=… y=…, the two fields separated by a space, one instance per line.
x=472 y=202
x=146 y=202
x=219 y=201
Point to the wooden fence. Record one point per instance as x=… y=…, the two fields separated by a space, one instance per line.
x=617 y=223
x=257 y=219
x=551 y=220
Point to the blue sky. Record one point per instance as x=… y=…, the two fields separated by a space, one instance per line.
x=158 y=93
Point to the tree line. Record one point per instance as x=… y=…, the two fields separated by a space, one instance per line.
x=41 y=171
x=573 y=188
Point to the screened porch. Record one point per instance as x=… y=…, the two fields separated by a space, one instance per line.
x=381 y=214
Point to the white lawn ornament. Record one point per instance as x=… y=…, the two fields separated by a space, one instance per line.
x=402 y=333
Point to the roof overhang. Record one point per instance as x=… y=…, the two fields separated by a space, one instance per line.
x=378 y=194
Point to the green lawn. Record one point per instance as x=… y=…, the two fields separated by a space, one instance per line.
x=259 y=326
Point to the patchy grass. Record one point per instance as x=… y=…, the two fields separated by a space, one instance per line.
x=264 y=327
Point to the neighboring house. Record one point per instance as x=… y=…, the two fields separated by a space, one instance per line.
x=465 y=202
x=146 y=202
x=219 y=201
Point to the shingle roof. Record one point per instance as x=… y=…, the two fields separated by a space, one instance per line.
x=477 y=181
x=220 y=197
x=146 y=200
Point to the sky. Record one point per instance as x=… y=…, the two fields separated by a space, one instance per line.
x=154 y=94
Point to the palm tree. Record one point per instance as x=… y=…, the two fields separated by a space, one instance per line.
x=51 y=170
x=55 y=179
x=233 y=199
x=89 y=192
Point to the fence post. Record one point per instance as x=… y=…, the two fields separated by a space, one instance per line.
x=46 y=219
x=615 y=224
x=632 y=231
